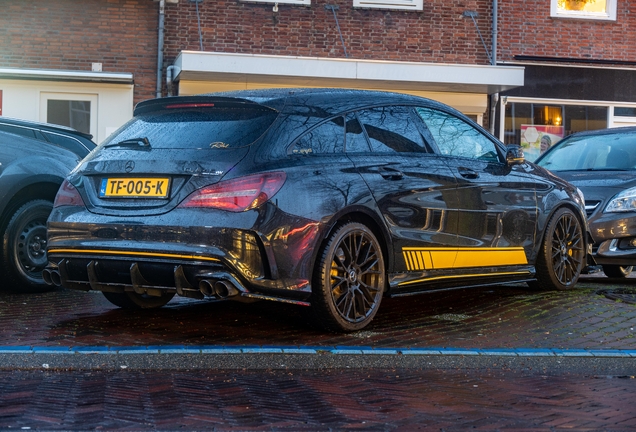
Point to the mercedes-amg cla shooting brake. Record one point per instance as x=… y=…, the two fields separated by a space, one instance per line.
x=329 y=199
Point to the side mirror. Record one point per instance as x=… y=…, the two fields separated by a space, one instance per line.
x=514 y=155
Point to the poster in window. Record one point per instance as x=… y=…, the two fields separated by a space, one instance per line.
x=536 y=139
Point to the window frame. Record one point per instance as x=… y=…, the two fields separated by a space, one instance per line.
x=420 y=127
x=273 y=2
x=481 y=133
x=414 y=5
x=609 y=15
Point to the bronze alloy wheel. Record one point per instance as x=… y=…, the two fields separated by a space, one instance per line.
x=350 y=279
x=563 y=254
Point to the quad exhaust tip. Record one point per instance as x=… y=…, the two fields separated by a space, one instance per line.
x=52 y=277
x=220 y=288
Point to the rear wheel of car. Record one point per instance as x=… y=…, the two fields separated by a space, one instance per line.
x=24 y=247
x=349 y=279
x=132 y=300
x=562 y=255
x=616 y=271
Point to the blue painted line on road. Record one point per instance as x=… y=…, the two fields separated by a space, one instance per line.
x=335 y=350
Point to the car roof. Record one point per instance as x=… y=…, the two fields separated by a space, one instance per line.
x=290 y=100
x=31 y=143
x=608 y=131
x=45 y=126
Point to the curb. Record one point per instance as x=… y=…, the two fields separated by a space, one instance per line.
x=337 y=350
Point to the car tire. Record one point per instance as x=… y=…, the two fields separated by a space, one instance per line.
x=349 y=280
x=24 y=247
x=562 y=255
x=134 y=301
x=616 y=271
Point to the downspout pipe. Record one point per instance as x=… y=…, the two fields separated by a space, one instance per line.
x=162 y=6
x=493 y=61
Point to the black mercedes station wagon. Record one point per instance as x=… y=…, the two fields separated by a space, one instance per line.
x=329 y=199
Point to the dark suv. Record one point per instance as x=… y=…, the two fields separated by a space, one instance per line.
x=78 y=142
x=31 y=172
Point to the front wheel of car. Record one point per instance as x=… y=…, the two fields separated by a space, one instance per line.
x=616 y=271
x=132 y=300
x=24 y=247
x=349 y=279
x=562 y=255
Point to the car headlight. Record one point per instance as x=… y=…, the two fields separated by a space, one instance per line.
x=624 y=201
x=581 y=196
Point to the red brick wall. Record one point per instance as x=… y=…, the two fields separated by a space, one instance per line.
x=526 y=28
x=438 y=34
x=72 y=34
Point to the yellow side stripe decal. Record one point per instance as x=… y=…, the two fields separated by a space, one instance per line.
x=449 y=258
x=131 y=253
x=462 y=276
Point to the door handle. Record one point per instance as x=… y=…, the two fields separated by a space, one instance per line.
x=468 y=173
x=391 y=174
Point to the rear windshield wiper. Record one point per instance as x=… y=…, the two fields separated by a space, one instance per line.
x=141 y=143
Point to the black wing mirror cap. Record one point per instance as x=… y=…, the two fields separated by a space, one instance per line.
x=514 y=155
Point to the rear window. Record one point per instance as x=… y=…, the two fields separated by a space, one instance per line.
x=222 y=127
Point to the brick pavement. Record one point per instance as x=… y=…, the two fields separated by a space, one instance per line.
x=498 y=317
x=379 y=400
x=495 y=397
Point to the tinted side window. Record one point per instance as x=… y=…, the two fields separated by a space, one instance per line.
x=71 y=144
x=355 y=139
x=455 y=137
x=392 y=129
x=17 y=130
x=325 y=138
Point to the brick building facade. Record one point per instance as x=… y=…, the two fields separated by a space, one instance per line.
x=107 y=51
x=71 y=35
x=580 y=67
x=233 y=44
x=98 y=55
x=439 y=33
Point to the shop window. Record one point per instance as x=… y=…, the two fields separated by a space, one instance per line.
x=416 y=5
x=624 y=116
x=537 y=126
x=75 y=114
x=625 y=112
x=584 y=9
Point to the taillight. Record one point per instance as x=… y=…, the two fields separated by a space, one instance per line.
x=67 y=195
x=239 y=194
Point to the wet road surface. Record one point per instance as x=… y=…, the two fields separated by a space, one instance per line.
x=359 y=392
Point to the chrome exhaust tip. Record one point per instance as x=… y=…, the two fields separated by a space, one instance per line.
x=207 y=288
x=46 y=275
x=56 y=279
x=224 y=289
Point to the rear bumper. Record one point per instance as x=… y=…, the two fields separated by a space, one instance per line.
x=194 y=262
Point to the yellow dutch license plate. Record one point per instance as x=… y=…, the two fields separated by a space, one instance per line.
x=134 y=187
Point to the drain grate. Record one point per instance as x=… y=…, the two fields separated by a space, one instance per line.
x=627 y=295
